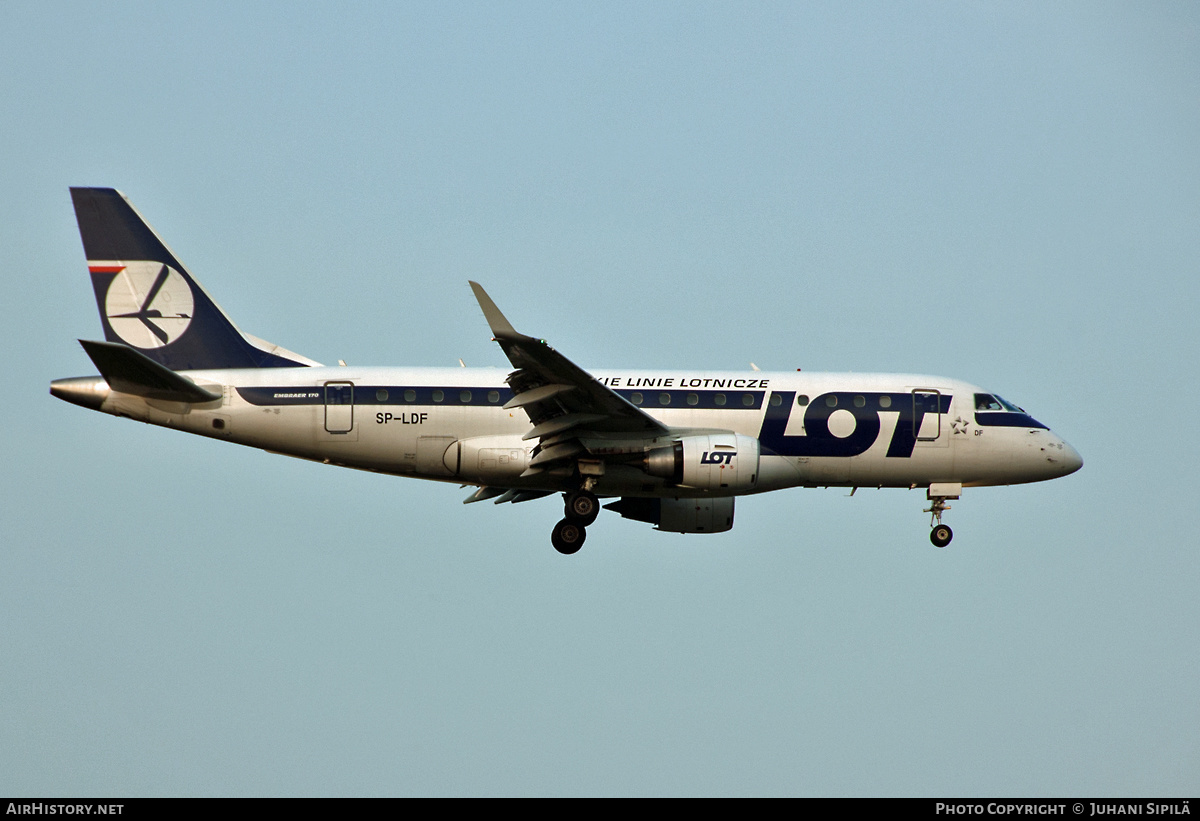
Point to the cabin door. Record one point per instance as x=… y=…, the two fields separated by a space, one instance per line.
x=339 y=407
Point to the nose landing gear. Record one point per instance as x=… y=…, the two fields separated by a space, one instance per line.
x=939 y=493
x=941 y=535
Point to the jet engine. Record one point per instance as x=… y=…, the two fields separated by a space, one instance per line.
x=725 y=463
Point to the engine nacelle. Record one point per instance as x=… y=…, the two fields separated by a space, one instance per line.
x=718 y=462
x=707 y=514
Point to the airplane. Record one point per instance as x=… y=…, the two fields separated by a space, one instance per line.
x=670 y=448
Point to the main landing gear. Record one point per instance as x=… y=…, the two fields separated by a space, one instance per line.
x=582 y=508
x=567 y=537
x=938 y=494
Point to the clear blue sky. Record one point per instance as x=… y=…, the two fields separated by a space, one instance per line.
x=1004 y=193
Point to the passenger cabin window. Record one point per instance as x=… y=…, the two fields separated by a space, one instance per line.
x=635 y=398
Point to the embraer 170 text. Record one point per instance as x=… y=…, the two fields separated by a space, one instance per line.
x=672 y=448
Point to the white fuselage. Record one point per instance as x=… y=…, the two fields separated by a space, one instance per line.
x=449 y=424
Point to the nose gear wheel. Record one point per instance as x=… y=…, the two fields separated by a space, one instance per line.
x=941 y=533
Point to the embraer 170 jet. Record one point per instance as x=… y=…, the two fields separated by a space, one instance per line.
x=672 y=448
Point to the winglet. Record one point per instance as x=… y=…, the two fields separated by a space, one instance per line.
x=501 y=327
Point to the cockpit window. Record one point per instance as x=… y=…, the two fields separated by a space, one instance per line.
x=989 y=402
x=995 y=411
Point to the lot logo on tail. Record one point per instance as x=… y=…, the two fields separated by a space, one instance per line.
x=148 y=304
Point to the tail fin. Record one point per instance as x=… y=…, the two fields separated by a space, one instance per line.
x=150 y=302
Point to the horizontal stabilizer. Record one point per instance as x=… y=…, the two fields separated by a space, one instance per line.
x=128 y=371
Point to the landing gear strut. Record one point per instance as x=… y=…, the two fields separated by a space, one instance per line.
x=582 y=508
x=938 y=494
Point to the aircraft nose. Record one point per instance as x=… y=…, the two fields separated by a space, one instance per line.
x=1072 y=461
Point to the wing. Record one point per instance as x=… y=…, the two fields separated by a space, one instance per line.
x=565 y=403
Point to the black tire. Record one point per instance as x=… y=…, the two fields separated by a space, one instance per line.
x=941 y=535
x=567 y=537
x=582 y=507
